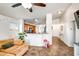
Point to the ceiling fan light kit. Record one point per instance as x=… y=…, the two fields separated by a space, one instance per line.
x=27 y=5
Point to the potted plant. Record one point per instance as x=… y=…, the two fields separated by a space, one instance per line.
x=21 y=36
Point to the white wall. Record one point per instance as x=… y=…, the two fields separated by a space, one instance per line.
x=69 y=35
x=5 y=25
x=74 y=8
x=21 y=25
x=49 y=23
x=57 y=29
x=68 y=18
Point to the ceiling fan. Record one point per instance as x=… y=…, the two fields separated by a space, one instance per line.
x=28 y=5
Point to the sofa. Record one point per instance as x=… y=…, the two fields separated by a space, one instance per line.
x=18 y=49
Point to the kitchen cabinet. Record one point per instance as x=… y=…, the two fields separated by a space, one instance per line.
x=28 y=26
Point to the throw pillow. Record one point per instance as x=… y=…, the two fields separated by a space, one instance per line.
x=7 y=45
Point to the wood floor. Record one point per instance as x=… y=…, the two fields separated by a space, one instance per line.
x=58 y=48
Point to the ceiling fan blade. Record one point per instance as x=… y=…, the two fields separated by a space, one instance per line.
x=16 y=5
x=39 y=4
x=30 y=10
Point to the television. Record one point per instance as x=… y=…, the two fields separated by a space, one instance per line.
x=76 y=14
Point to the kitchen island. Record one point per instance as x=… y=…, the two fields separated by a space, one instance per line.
x=37 y=39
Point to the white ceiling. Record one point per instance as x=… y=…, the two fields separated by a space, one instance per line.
x=38 y=12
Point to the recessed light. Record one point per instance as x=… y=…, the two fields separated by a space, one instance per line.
x=59 y=11
x=36 y=20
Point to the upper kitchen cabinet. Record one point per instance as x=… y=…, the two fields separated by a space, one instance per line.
x=28 y=28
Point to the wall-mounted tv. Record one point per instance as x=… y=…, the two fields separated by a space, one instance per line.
x=76 y=14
